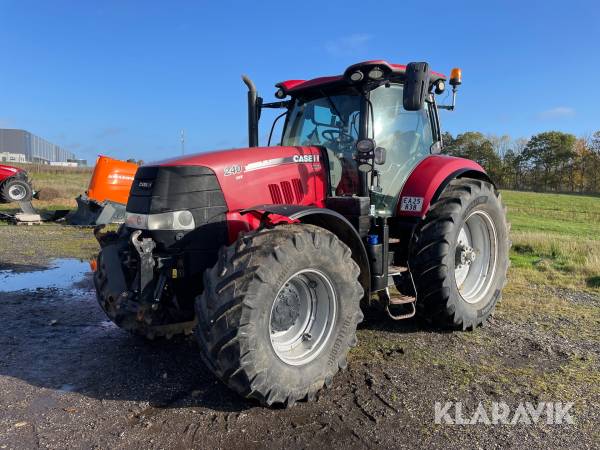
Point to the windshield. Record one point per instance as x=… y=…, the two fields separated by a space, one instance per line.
x=332 y=122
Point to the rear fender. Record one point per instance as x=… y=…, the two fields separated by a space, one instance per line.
x=427 y=181
x=271 y=215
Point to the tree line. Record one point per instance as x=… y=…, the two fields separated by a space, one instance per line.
x=547 y=162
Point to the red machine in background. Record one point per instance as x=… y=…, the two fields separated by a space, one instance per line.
x=14 y=185
x=102 y=203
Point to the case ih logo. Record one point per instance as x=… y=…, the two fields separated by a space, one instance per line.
x=145 y=184
x=306 y=158
x=296 y=159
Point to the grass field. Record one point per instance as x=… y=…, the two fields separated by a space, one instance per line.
x=58 y=186
x=556 y=239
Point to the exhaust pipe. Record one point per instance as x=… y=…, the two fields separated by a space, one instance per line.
x=252 y=112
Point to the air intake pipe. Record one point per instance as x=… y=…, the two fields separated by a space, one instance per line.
x=253 y=108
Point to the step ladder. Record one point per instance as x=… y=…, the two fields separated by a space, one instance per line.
x=399 y=301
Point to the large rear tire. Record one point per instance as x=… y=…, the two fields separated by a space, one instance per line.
x=279 y=311
x=460 y=255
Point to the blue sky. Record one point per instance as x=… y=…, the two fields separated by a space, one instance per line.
x=124 y=77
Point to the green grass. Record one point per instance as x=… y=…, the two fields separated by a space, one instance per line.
x=562 y=214
x=66 y=183
x=556 y=239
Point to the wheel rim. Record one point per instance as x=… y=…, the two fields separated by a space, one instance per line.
x=475 y=257
x=302 y=317
x=17 y=192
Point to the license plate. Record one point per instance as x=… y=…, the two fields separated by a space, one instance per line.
x=413 y=204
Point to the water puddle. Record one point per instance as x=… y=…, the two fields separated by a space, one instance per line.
x=61 y=274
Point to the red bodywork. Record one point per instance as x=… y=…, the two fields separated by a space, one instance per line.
x=429 y=175
x=8 y=171
x=294 y=86
x=250 y=177
x=263 y=175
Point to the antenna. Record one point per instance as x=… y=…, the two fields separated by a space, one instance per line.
x=183 y=142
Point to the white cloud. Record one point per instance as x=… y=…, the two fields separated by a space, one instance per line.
x=557 y=113
x=348 y=45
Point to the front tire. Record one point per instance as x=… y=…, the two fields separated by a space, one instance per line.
x=460 y=256
x=16 y=190
x=279 y=311
x=124 y=308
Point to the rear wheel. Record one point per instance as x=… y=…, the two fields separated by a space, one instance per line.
x=279 y=313
x=15 y=190
x=460 y=255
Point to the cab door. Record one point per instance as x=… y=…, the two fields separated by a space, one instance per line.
x=407 y=137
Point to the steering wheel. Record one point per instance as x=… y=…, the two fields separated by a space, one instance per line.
x=337 y=137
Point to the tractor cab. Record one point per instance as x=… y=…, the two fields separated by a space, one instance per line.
x=400 y=139
x=376 y=122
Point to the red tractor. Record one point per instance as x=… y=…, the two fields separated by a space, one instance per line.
x=14 y=185
x=268 y=253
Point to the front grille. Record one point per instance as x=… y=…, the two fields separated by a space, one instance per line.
x=158 y=189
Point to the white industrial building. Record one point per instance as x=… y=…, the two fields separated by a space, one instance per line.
x=23 y=146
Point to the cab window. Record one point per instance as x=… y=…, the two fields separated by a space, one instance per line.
x=331 y=122
x=406 y=135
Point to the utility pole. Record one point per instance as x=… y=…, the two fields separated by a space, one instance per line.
x=183 y=142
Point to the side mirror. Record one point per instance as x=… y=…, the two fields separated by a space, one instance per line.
x=416 y=86
x=380 y=156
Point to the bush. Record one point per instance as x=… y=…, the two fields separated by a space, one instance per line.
x=48 y=194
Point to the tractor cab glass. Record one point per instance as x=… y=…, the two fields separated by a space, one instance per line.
x=331 y=122
x=407 y=137
x=334 y=122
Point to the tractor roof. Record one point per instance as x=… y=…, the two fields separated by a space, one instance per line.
x=396 y=71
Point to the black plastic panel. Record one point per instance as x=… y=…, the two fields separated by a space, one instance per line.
x=159 y=189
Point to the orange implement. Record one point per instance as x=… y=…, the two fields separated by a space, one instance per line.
x=106 y=197
x=111 y=180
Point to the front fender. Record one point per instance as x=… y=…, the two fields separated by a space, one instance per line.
x=431 y=176
x=321 y=217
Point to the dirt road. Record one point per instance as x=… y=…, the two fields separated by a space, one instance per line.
x=70 y=379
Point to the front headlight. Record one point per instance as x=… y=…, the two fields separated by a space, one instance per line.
x=175 y=220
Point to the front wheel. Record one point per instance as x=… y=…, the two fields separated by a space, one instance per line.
x=16 y=190
x=279 y=312
x=460 y=255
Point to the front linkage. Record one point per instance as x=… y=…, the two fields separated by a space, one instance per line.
x=135 y=286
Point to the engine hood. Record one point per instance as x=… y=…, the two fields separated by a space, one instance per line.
x=254 y=176
x=248 y=159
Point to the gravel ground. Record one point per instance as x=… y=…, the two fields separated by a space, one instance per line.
x=71 y=379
